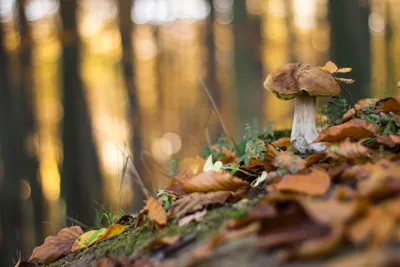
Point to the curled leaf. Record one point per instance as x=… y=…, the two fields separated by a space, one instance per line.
x=57 y=246
x=354 y=128
x=288 y=161
x=315 y=183
x=330 y=67
x=359 y=106
x=344 y=70
x=155 y=212
x=347 y=150
x=213 y=181
x=344 y=80
x=196 y=201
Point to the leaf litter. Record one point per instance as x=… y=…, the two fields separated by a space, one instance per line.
x=307 y=206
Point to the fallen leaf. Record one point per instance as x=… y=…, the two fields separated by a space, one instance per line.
x=315 y=183
x=283 y=142
x=347 y=150
x=330 y=67
x=344 y=70
x=314 y=158
x=344 y=192
x=106 y=262
x=387 y=140
x=195 y=217
x=354 y=128
x=395 y=138
x=359 y=106
x=345 y=81
x=383 y=181
x=87 y=239
x=163 y=241
x=368 y=258
x=288 y=161
x=355 y=172
x=176 y=185
x=197 y=201
x=57 y=246
x=389 y=104
x=289 y=227
x=213 y=181
x=155 y=213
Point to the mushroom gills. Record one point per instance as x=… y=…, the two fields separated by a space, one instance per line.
x=304 y=128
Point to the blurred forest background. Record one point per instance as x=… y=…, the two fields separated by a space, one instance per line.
x=85 y=84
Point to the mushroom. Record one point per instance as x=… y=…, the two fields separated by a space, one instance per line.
x=305 y=83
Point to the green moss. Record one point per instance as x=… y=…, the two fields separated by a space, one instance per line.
x=130 y=242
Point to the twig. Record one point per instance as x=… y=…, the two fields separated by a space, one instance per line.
x=206 y=132
x=77 y=222
x=348 y=93
x=134 y=175
x=214 y=106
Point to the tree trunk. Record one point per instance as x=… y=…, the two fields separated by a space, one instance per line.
x=80 y=176
x=126 y=27
x=248 y=69
x=351 y=42
x=11 y=156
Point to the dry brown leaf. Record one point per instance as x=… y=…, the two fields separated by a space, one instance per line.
x=383 y=181
x=317 y=247
x=176 y=185
x=314 y=159
x=155 y=213
x=355 y=172
x=212 y=181
x=395 y=138
x=378 y=226
x=368 y=258
x=315 y=183
x=354 y=128
x=106 y=262
x=389 y=104
x=344 y=192
x=283 y=142
x=195 y=217
x=291 y=162
x=386 y=140
x=289 y=227
x=344 y=80
x=344 y=70
x=347 y=150
x=57 y=246
x=330 y=67
x=196 y=201
x=359 y=106
x=163 y=241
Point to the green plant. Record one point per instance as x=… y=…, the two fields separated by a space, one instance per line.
x=334 y=110
x=174 y=169
x=389 y=123
x=254 y=146
x=167 y=199
x=108 y=215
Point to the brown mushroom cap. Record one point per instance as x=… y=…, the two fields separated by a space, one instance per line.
x=290 y=79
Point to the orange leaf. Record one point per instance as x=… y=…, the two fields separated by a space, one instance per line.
x=344 y=70
x=331 y=67
x=196 y=201
x=155 y=213
x=347 y=150
x=213 y=181
x=387 y=140
x=291 y=162
x=315 y=183
x=163 y=241
x=390 y=104
x=359 y=106
x=354 y=128
x=282 y=142
x=55 y=247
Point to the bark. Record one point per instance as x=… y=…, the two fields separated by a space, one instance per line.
x=126 y=28
x=351 y=42
x=80 y=175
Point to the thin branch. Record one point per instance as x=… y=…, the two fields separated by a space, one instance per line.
x=77 y=222
x=217 y=113
x=134 y=175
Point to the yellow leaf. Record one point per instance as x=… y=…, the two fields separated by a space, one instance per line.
x=93 y=236
x=87 y=239
x=345 y=81
x=331 y=67
x=344 y=70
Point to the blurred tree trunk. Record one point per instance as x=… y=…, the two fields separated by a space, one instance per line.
x=351 y=42
x=248 y=68
x=80 y=176
x=126 y=28
x=11 y=157
x=30 y=161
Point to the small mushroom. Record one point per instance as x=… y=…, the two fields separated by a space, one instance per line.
x=305 y=83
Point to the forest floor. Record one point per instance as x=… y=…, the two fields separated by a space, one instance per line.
x=259 y=202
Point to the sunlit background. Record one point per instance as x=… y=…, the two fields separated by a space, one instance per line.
x=86 y=85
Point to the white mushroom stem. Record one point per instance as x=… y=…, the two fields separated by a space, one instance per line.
x=304 y=129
